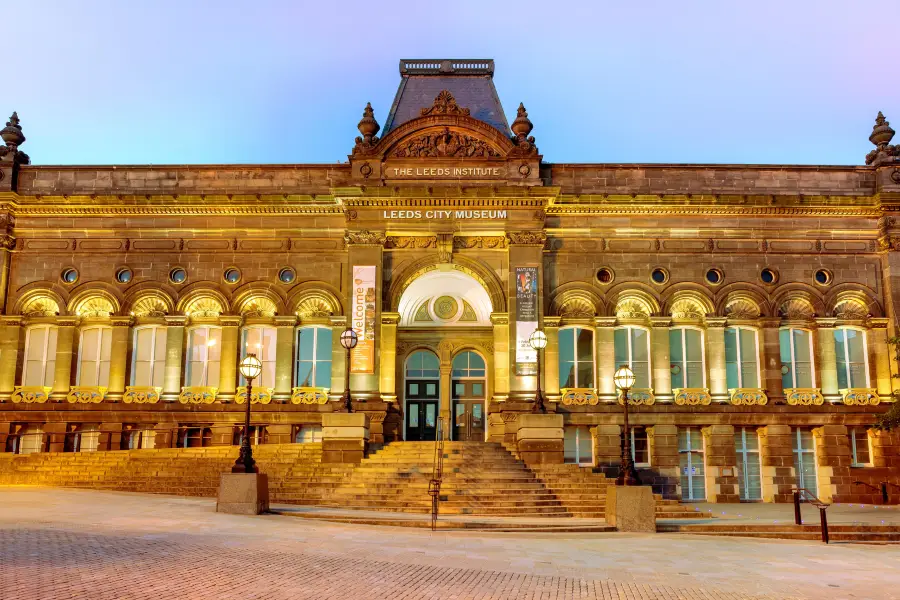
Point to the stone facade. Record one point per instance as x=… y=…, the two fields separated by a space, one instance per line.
x=659 y=248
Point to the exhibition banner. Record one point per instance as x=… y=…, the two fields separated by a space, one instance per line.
x=526 y=319
x=362 y=358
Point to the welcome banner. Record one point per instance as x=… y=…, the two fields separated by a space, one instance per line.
x=362 y=358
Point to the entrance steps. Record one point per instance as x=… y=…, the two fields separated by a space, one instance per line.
x=789 y=531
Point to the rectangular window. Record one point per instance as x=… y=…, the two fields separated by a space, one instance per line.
x=40 y=356
x=749 y=467
x=578 y=445
x=89 y=438
x=859 y=446
x=686 y=351
x=314 y=357
x=796 y=356
x=640 y=447
x=261 y=341
x=850 y=355
x=632 y=348
x=690 y=455
x=741 y=358
x=31 y=439
x=576 y=357
x=148 y=363
x=204 y=353
x=309 y=434
x=805 y=459
x=94 y=351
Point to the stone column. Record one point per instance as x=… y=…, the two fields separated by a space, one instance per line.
x=880 y=355
x=500 y=322
x=663 y=473
x=607 y=440
x=338 y=358
x=661 y=358
x=826 y=365
x=525 y=250
x=388 y=364
x=550 y=359
x=10 y=334
x=833 y=460
x=228 y=358
x=721 y=464
x=65 y=357
x=118 y=362
x=771 y=359
x=284 y=357
x=365 y=248
x=174 y=364
x=7 y=243
x=604 y=336
x=777 y=458
x=715 y=360
x=446 y=395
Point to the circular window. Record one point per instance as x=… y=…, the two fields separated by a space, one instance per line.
x=69 y=275
x=659 y=276
x=605 y=275
x=232 y=275
x=124 y=275
x=823 y=276
x=768 y=275
x=287 y=275
x=177 y=275
x=714 y=277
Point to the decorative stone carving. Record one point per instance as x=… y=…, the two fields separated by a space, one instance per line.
x=468 y=315
x=94 y=306
x=803 y=397
x=41 y=306
x=368 y=127
x=749 y=397
x=521 y=127
x=446 y=307
x=479 y=241
x=527 y=238
x=579 y=397
x=259 y=306
x=13 y=137
x=150 y=306
x=687 y=309
x=632 y=308
x=204 y=306
x=198 y=395
x=261 y=395
x=7 y=242
x=314 y=306
x=86 y=394
x=488 y=346
x=692 y=396
x=444 y=144
x=377 y=416
x=851 y=310
x=797 y=309
x=365 y=237
x=861 y=397
x=30 y=394
x=638 y=397
x=309 y=395
x=742 y=308
x=411 y=242
x=444 y=104
x=422 y=314
x=881 y=137
x=138 y=394
x=576 y=308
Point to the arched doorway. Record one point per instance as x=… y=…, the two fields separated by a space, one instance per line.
x=468 y=388
x=422 y=385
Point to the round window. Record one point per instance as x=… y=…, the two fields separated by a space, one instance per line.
x=124 y=275
x=177 y=275
x=714 y=277
x=232 y=275
x=287 y=275
x=768 y=276
x=605 y=275
x=659 y=276
x=69 y=275
x=823 y=276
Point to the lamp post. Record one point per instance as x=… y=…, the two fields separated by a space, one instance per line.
x=349 y=339
x=250 y=368
x=624 y=379
x=538 y=341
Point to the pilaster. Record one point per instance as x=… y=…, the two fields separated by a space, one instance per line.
x=880 y=350
x=604 y=336
x=663 y=473
x=388 y=364
x=65 y=356
x=771 y=355
x=826 y=363
x=526 y=249
x=229 y=358
x=500 y=321
x=777 y=460
x=660 y=358
x=118 y=362
x=284 y=357
x=174 y=363
x=721 y=464
x=10 y=334
x=715 y=357
x=550 y=362
x=338 y=357
x=607 y=440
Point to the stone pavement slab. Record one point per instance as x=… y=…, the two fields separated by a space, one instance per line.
x=65 y=543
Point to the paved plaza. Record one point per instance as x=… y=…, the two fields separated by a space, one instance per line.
x=64 y=543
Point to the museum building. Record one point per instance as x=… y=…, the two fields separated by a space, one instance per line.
x=754 y=303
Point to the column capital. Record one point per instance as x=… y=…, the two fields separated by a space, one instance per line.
x=826 y=322
x=605 y=322
x=660 y=321
x=390 y=318
x=878 y=322
x=176 y=320
x=124 y=321
x=552 y=321
x=230 y=320
x=499 y=318
x=770 y=322
x=716 y=321
x=364 y=237
x=285 y=321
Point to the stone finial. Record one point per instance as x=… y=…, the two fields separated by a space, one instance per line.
x=368 y=126
x=881 y=137
x=12 y=136
x=522 y=126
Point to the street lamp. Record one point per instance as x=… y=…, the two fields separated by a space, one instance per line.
x=624 y=379
x=538 y=341
x=349 y=339
x=250 y=368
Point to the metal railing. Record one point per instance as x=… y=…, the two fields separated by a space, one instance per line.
x=883 y=488
x=437 y=474
x=811 y=499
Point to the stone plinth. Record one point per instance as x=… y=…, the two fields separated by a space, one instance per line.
x=777 y=457
x=721 y=464
x=833 y=458
x=539 y=438
x=663 y=472
x=631 y=508
x=345 y=437
x=607 y=440
x=243 y=493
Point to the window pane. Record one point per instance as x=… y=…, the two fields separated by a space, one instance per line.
x=620 y=343
x=586 y=375
x=677 y=375
x=90 y=344
x=430 y=414
x=570 y=447
x=37 y=337
x=567 y=373
x=567 y=345
x=323 y=344
x=103 y=378
x=675 y=346
x=478 y=389
x=585 y=345
x=642 y=374
x=323 y=374
x=430 y=362
x=694 y=374
x=306 y=343
x=214 y=346
x=801 y=345
x=640 y=345
x=304 y=374
x=212 y=373
x=106 y=343
x=143 y=344
x=142 y=373
x=694 y=345
x=784 y=344
x=413 y=415
x=749 y=375
x=731 y=345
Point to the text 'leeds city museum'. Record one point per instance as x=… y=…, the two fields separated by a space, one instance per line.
x=754 y=303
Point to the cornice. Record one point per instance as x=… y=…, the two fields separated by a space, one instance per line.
x=711 y=209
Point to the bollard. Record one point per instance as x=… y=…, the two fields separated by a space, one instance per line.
x=797 y=518
x=824 y=521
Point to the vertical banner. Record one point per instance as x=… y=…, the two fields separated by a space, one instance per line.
x=362 y=358
x=526 y=319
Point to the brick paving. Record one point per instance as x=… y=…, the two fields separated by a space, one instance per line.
x=63 y=543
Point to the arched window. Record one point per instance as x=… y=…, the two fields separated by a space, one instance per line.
x=850 y=355
x=741 y=358
x=632 y=348
x=40 y=355
x=148 y=360
x=260 y=340
x=686 y=351
x=94 y=352
x=468 y=364
x=423 y=365
x=204 y=351
x=314 y=357
x=797 y=369
x=576 y=357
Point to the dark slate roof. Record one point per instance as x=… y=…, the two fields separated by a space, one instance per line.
x=470 y=81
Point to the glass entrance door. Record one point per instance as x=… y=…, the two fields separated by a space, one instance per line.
x=468 y=397
x=468 y=420
x=422 y=409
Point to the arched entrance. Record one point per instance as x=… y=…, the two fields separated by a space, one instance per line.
x=469 y=387
x=422 y=386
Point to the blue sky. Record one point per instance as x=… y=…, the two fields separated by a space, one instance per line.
x=134 y=81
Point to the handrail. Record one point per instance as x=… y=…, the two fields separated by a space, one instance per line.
x=885 y=497
x=811 y=498
x=437 y=474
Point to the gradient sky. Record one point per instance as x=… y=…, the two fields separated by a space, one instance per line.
x=185 y=81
